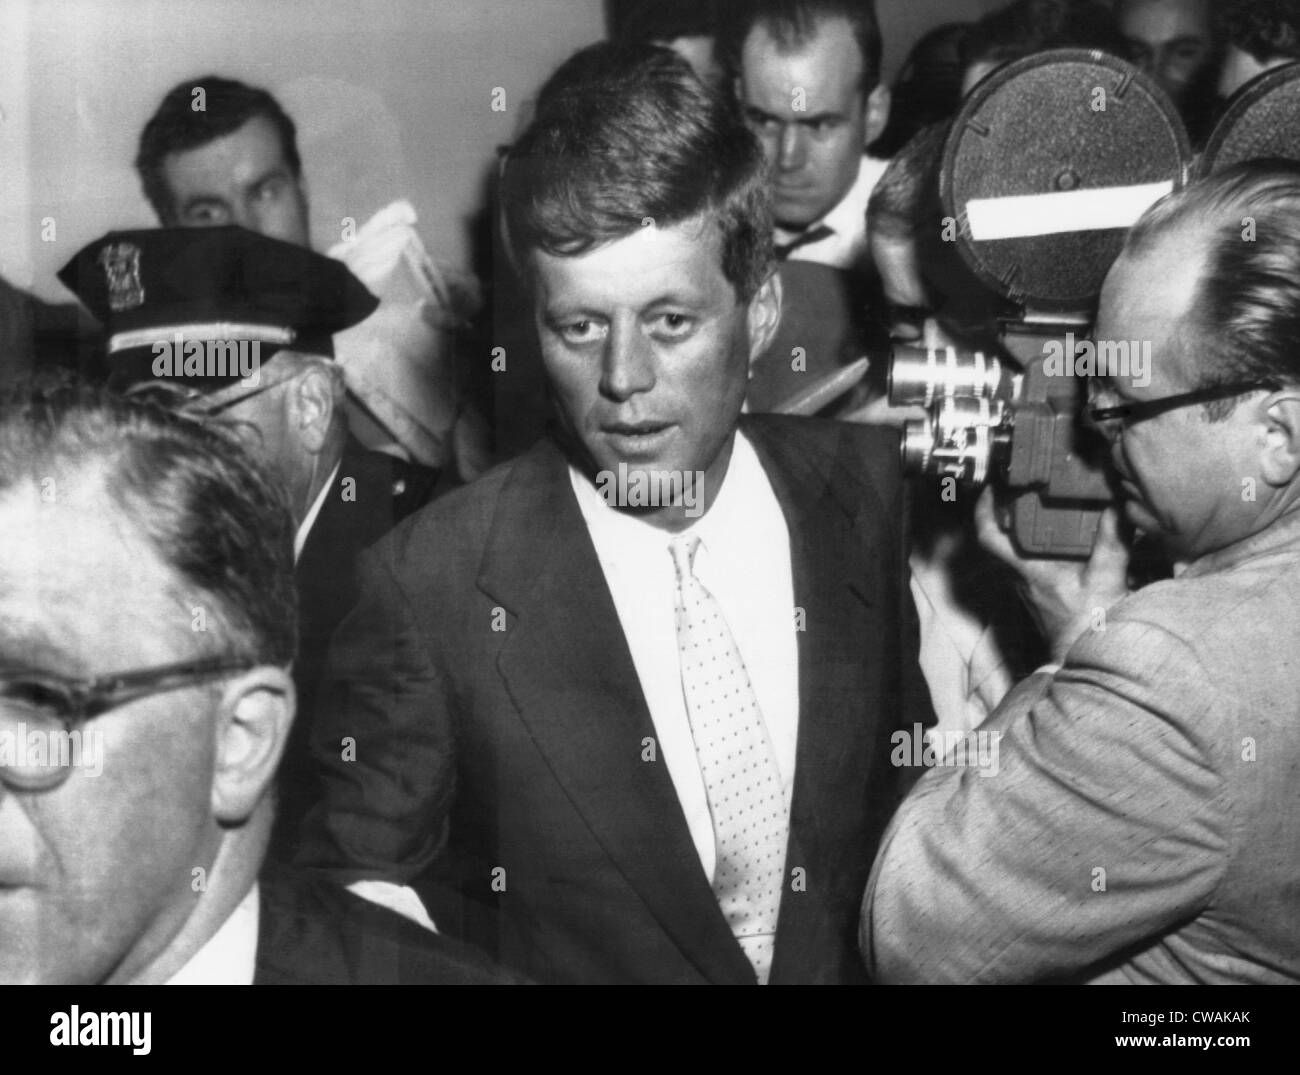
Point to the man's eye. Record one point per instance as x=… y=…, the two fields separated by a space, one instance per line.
x=579 y=332
x=270 y=190
x=673 y=326
x=1188 y=53
x=32 y=698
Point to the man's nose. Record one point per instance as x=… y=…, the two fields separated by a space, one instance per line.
x=247 y=215
x=628 y=366
x=791 y=150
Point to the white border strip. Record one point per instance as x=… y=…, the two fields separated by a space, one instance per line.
x=1024 y=215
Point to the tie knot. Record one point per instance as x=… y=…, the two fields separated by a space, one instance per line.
x=804 y=238
x=683 y=549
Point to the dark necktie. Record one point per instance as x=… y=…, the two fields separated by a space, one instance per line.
x=812 y=235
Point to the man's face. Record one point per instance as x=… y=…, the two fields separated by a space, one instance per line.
x=647 y=349
x=242 y=178
x=96 y=873
x=1181 y=474
x=264 y=421
x=1239 y=67
x=812 y=114
x=1170 y=39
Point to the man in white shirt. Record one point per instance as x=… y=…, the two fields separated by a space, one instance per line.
x=808 y=79
x=174 y=303
x=146 y=631
x=628 y=698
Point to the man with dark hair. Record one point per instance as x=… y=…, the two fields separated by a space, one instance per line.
x=808 y=77
x=1143 y=824
x=242 y=326
x=1028 y=27
x=1174 y=42
x=146 y=629
x=219 y=152
x=688 y=27
x=1258 y=35
x=630 y=694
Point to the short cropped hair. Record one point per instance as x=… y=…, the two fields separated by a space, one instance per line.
x=1266 y=29
x=177 y=127
x=209 y=510
x=625 y=134
x=1028 y=27
x=1246 y=309
x=794 y=22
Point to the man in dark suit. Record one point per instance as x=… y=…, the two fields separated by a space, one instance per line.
x=137 y=750
x=628 y=698
x=176 y=302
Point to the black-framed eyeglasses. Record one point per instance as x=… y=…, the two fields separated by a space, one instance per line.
x=40 y=711
x=193 y=400
x=1140 y=410
x=221 y=408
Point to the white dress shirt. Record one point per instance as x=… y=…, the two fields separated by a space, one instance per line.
x=230 y=955
x=846 y=246
x=300 y=538
x=744 y=561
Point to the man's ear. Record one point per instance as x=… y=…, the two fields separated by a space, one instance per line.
x=1280 y=455
x=764 y=315
x=312 y=402
x=876 y=114
x=255 y=715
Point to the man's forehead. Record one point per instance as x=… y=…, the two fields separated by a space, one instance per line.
x=821 y=61
x=252 y=147
x=70 y=560
x=1149 y=294
x=652 y=249
x=1160 y=21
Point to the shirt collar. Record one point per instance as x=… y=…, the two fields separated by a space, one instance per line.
x=846 y=217
x=300 y=538
x=723 y=523
x=230 y=955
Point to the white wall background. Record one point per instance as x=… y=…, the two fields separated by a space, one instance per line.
x=391 y=98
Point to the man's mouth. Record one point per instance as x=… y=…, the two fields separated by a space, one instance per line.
x=633 y=438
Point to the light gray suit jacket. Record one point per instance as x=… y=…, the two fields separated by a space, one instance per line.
x=1143 y=824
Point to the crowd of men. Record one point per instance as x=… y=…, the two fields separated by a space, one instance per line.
x=687 y=691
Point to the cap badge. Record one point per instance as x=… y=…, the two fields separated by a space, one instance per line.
x=121 y=264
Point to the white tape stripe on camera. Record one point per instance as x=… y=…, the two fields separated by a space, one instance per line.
x=1023 y=215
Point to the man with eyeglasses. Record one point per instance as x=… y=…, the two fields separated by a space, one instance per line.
x=1143 y=824
x=235 y=324
x=146 y=632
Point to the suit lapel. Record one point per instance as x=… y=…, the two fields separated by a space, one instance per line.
x=831 y=590
x=569 y=672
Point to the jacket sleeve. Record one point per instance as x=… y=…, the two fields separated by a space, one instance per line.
x=383 y=741
x=1088 y=818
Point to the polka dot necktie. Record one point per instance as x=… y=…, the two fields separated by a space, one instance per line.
x=741 y=777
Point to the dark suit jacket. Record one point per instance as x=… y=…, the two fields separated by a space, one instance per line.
x=503 y=740
x=311 y=932
x=383 y=491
